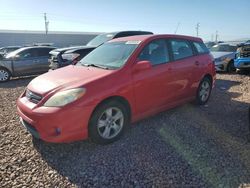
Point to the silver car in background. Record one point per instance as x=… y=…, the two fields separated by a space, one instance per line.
x=25 y=61
x=224 y=55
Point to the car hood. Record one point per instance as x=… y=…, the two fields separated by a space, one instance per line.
x=67 y=77
x=222 y=54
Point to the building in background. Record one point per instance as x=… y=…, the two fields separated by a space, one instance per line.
x=58 y=39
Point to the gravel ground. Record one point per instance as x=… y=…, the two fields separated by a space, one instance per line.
x=189 y=146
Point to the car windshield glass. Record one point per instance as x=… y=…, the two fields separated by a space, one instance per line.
x=111 y=55
x=223 y=48
x=100 y=39
x=13 y=53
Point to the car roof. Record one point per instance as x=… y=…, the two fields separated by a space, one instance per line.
x=127 y=32
x=30 y=47
x=159 y=36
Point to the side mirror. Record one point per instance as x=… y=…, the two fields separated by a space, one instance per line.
x=143 y=65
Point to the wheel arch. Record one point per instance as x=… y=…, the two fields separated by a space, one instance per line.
x=3 y=67
x=209 y=76
x=120 y=99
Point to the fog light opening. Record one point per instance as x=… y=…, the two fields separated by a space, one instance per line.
x=57 y=131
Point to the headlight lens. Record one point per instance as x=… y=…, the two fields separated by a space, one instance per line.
x=65 y=97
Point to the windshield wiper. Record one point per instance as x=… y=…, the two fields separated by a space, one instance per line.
x=94 y=65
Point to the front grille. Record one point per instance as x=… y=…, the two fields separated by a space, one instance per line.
x=245 y=54
x=33 y=97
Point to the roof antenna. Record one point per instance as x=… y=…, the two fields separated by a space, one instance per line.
x=177 y=27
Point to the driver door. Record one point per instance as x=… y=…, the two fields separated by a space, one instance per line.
x=24 y=63
x=151 y=85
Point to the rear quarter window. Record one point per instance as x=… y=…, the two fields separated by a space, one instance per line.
x=200 y=48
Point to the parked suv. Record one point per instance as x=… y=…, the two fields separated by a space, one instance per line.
x=25 y=61
x=65 y=56
x=242 y=58
x=121 y=81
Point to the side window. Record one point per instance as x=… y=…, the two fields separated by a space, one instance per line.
x=156 y=52
x=200 y=47
x=29 y=53
x=181 y=49
x=43 y=52
x=232 y=48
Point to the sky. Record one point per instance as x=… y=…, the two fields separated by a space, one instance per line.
x=229 y=17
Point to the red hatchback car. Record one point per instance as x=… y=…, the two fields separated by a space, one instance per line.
x=120 y=82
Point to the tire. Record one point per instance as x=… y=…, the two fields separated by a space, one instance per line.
x=108 y=122
x=230 y=67
x=203 y=91
x=4 y=75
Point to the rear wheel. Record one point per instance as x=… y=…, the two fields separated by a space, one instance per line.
x=108 y=122
x=204 y=91
x=4 y=75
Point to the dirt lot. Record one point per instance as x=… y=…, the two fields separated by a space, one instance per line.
x=189 y=146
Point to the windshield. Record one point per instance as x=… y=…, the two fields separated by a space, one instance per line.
x=100 y=39
x=223 y=48
x=13 y=53
x=110 y=55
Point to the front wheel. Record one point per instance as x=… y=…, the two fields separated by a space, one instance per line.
x=204 y=91
x=231 y=67
x=4 y=75
x=108 y=122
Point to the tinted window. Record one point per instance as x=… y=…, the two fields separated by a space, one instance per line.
x=181 y=49
x=28 y=53
x=156 y=52
x=200 y=47
x=43 y=51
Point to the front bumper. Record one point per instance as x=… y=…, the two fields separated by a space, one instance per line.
x=220 y=65
x=51 y=124
x=242 y=63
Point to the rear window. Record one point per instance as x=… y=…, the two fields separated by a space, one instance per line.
x=200 y=47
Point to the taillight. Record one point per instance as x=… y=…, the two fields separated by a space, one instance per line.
x=73 y=57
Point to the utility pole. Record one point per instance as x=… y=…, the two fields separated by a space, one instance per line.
x=197 y=29
x=216 y=36
x=46 y=24
x=212 y=37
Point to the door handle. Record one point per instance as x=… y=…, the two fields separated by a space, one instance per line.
x=36 y=61
x=197 y=63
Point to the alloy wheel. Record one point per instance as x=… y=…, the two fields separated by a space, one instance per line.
x=4 y=75
x=204 y=91
x=110 y=123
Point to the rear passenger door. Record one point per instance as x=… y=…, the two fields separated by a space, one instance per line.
x=183 y=64
x=41 y=63
x=201 y=60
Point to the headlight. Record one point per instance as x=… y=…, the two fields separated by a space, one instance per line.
x=65 y=97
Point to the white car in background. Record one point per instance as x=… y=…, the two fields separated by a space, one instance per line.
x=224 y=54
